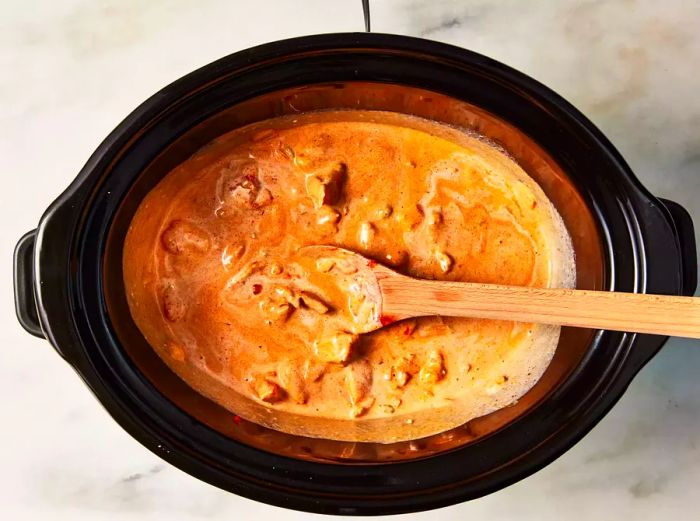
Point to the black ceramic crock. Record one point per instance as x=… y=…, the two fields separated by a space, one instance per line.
x=67 y=273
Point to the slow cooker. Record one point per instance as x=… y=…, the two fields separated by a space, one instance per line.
x=69 y=288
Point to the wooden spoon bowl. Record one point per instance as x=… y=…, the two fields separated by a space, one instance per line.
x=395 y=296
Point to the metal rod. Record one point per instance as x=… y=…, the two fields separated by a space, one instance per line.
x=365 y=10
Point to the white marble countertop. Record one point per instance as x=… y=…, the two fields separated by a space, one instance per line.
x=72 y=69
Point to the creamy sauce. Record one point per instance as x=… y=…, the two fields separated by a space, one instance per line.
x=215 y=281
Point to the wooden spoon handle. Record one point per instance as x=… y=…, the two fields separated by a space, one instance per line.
x=634 y=312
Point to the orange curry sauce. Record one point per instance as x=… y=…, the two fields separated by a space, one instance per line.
x=215 y=283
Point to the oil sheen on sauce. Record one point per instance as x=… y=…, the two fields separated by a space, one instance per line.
x=215 y=283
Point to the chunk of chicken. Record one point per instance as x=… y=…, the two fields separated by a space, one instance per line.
x=326 y=187
x=183 y=237
x=267 y=390
x=327 y=216
x=444 y=261
x=402 y=371
x=263 y=198
x=325 y=264
x=366 y=234
x=358 y=383
x=314 y=303
x=231 y=253
x=239 y=184
x=275 y=308
x=433 y=369
x=174 y=307
x=336 y=347
x=291 y=377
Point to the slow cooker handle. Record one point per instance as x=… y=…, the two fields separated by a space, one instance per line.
x=686 y=237
x=25 y=301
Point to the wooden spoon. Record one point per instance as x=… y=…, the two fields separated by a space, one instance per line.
x=398 y=296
